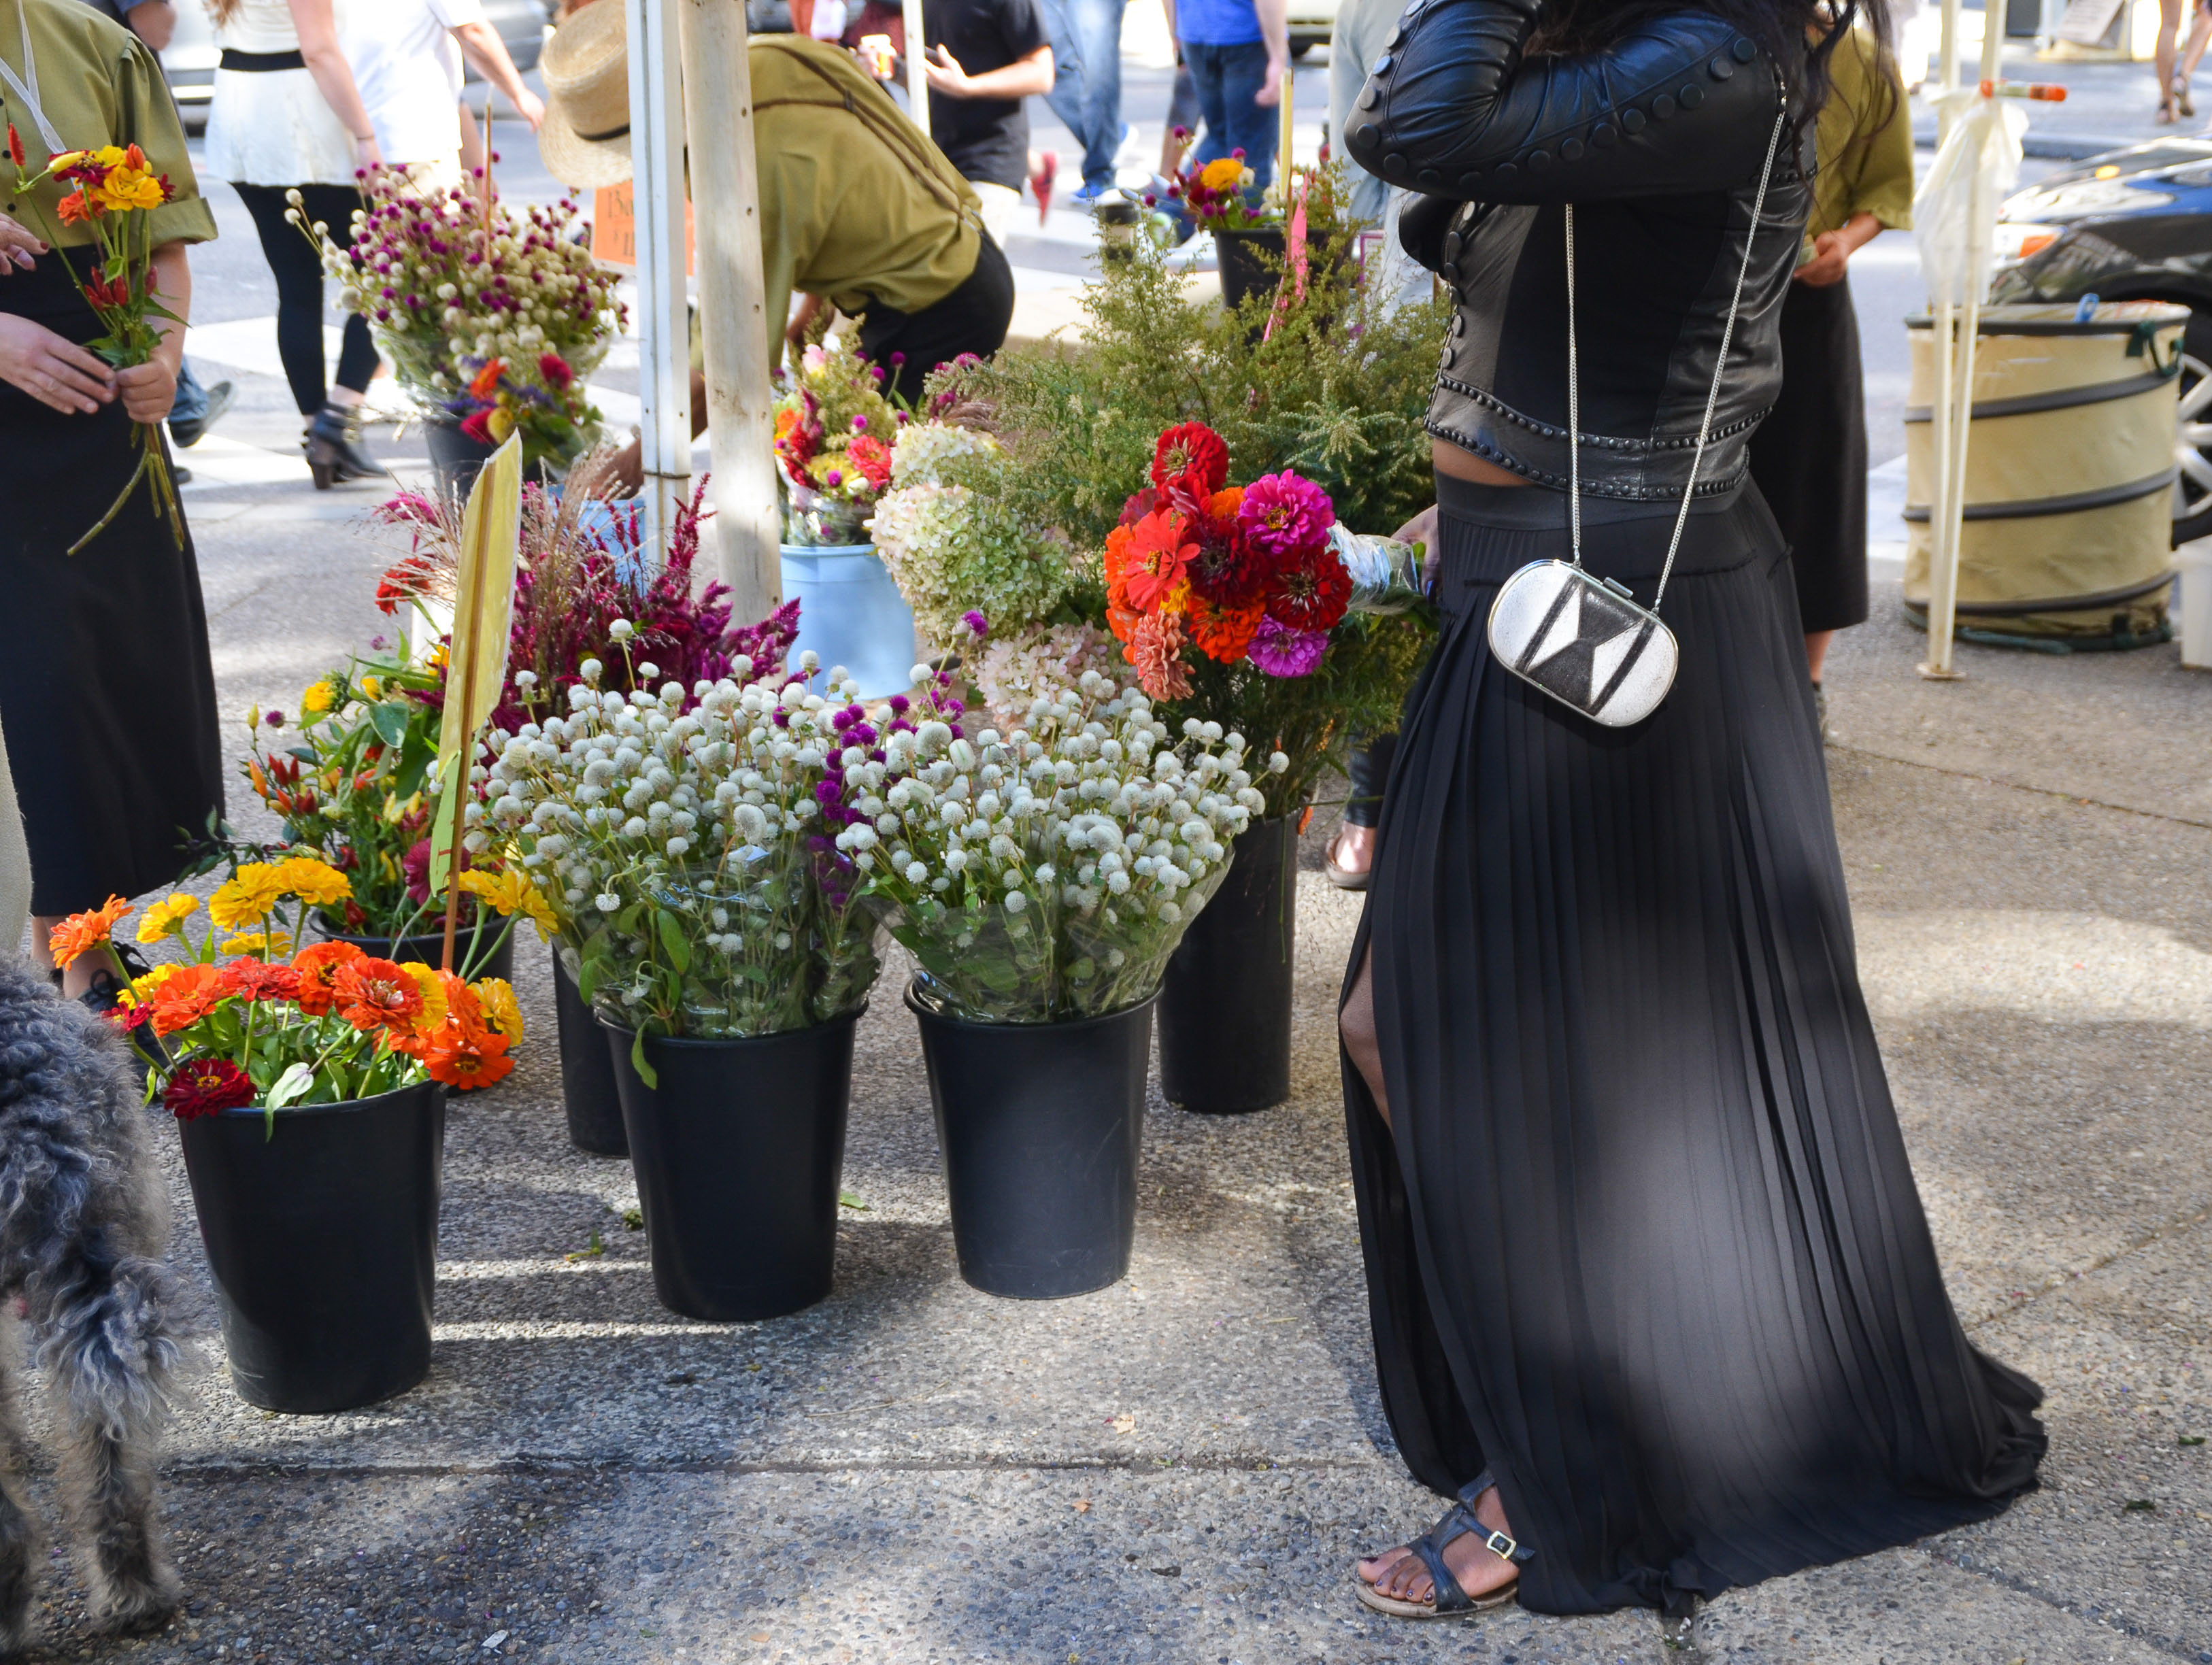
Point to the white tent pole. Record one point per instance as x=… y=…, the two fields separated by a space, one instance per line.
x=1941 y=571
x=917 y=84
x=656 y=149
x=740 y=413
x=1947 y=75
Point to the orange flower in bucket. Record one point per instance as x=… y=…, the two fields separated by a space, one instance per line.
x=79 y=933
x=318 y=968
x=468 y=1061
x=183 y=999
x=375 y=994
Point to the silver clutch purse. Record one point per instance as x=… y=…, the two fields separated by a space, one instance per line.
x=1584 y=639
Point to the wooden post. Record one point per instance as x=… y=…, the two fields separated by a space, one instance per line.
x=656 y=139
x=917 y=84
x=478 y=555
x=742 y=341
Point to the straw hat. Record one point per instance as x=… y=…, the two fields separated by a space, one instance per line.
x=585 y=139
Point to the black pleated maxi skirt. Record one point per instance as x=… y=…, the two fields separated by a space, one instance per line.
x=1646 y=1241
x=106 y=692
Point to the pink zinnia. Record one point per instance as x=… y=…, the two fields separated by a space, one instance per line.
x=1282 y=651
x=1284 y=514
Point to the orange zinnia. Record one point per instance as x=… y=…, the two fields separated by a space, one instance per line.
x=79 y=933
x=183 y=999
x=373 y=993
x=1158 y=558
x=318 y=968
x=468 y=1061
x=463 y=1010
x=1223 y=633
x=78 y=206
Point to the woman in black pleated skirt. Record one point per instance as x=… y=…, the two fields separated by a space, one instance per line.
x=1654 y=1297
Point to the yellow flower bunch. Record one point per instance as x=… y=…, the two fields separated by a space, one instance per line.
x=1228 y=173
x=127 y=187
x=319 y=698
x=510 y=891
x=167 y=919
x=501 y=1009
x=251 y=894
x=264 y=945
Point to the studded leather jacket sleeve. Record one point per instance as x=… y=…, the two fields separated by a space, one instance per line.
x=1455 y=109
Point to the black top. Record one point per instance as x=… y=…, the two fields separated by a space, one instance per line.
x=986 y=139
x=1659 y=140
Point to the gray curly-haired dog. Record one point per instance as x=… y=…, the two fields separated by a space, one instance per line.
x=83 y=1223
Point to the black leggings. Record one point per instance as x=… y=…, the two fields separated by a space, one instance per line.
x=298 y=269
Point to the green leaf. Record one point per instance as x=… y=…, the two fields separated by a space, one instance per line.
x=633 y=1219
x=590 y=1251
x=673 y=943
x=290 y=1086
x=390 y=718
x=645 y=1072
x=851 y=1200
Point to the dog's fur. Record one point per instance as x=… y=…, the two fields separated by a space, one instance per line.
x=83 y=1223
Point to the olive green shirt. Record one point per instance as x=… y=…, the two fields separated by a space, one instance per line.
x=99 y=85
x=855 y=203
x=1863 y=141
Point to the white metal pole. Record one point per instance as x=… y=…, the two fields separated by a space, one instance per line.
x=656 y=149
x=1946 y=75
x=1941 y=571
x=740 y=414
x=917 y=84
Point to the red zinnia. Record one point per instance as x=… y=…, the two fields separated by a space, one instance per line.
x=371 y=993
x=478 y=427
x=556 y=370
x=1311 y=591
x=206 y=1085
x=1158 y=558
x=1192 y=454
x=257 y=980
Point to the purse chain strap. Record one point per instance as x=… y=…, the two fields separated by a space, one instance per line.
x=1712 y=394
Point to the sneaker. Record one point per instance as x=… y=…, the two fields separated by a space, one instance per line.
x=1131 y=152
x=1041 y=182
x=188 y=433
x=1087 y=196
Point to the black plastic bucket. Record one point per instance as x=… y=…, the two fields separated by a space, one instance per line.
x=1225 y=1001
x=428 y=947
x=323 y=1237
x=588 y=1090
x=1039 y=1124
x=738 y=1151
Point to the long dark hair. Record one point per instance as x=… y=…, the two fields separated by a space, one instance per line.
x=1799 y=35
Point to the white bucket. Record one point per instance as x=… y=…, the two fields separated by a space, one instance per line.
x=2193 y=561
x=850 y=613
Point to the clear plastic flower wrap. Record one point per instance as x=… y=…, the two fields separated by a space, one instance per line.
x=690 y=855
x=1386 y=574
x=1046 y=873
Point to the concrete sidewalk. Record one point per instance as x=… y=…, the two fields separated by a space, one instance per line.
x=1180 y=1469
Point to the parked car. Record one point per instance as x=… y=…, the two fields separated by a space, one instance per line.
x=1312 y=22
x=189 y=62
x=2130 y=225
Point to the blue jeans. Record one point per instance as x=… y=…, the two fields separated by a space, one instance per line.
x=1228 y=78
x=1086 y=85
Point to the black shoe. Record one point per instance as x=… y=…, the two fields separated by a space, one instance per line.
x=179 y=475
x=333 y=446
x=186 y=435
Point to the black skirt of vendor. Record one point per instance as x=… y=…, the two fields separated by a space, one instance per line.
x=973 y=318
x=1642 y=1238
x=107 y=695
x=1809 y=456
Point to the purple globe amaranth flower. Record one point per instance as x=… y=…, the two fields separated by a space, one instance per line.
x=974 y=619
x=1284 y=514
x=1281 y=651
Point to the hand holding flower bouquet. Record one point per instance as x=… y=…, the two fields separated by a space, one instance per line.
x=116 y=194
x=834 y=434
x=689 y=854
x=1046 y=873
x=244 y=1021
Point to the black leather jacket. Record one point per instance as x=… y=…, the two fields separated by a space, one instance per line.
x=1658 y=141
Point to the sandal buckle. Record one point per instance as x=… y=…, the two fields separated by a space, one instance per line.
x=1501 y=1546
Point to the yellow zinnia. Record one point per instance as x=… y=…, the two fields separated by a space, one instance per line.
x=432 y=1018
x=316 y=883
x=319 y=698
x=270 y=944
x=128 y=188
x=153 y=980
x=501 y=1009
x=1223 y=174
x=248 y=896
x=166 y=919
x=373 y=686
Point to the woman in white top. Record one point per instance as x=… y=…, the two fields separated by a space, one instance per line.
x=287 y=115
x=406 y=58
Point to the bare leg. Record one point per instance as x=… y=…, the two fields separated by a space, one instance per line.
x=1816 y=650
x=1356 y=1023
x=1353 y=847
x=2169 y=27
x=2200 y=36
